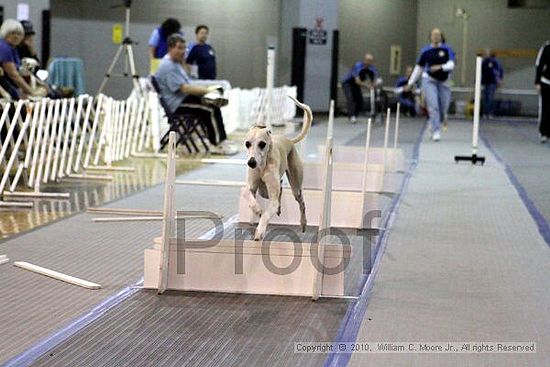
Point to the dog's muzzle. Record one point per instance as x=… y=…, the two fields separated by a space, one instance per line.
x=252 y=162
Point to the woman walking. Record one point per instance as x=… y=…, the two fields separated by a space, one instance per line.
x=435 y=64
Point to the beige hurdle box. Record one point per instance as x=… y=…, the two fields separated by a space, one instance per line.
x=348 y=209
x=256 y=277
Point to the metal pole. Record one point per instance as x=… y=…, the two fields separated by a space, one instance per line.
x=477 y=96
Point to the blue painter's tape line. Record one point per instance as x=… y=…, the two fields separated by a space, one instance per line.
x=542 y=224
x=29 y=356
x=350 y=324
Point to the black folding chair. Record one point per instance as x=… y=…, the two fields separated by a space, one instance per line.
x=184 y=123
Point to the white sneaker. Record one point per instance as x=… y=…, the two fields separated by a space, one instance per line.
x=353 y=119
x=543 y=139
x=436 y=136
x=215 y=99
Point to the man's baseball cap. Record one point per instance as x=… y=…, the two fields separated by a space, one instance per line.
x=27 y=26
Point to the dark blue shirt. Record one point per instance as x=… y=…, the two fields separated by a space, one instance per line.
x=402 y=81
x=204 y=57
x=8 y=54
x=430 y=56
x=359 y=70
x=491 y=71
x=159 y=42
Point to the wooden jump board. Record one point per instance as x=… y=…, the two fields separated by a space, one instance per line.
x=395 y=158
x=347 y=210
x=212 y=269
x=349 y=177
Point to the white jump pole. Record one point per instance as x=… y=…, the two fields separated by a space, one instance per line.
x=147 y=115
x=43 y=146
x=75 y=134
x=366 y=160
x=477 y=105
x=11 y=128
x=122 y=121
x=130 y=128
x=66 y=138
x=372 y=102
x=60 y=132
x=30 y=144
x=83 y=133
x=386 y=136
x=139 y=121
x=113 y=136
x=56 y=275
x=94 y=129
x=269 y=83
x=52 y=141
x=396 y=132
x=84 y=175
x=5 y=114
x=105 y=134
x=477 y=109
x=38 y=143
x=169 y=214
x=325 y=215
x=11 y=161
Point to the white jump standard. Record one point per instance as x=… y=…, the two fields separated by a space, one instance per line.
x=475 y=134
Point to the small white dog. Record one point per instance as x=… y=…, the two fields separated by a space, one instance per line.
x=269 y=157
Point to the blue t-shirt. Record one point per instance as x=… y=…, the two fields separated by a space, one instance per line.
x=359 y=70
x=8 y=54
x=160 y=43
x=171 y=76
x=491 y=71
x=430 y=56
x=204 y=57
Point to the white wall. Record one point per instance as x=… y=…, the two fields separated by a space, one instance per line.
x=373 y=26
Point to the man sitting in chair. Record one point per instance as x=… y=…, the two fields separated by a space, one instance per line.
x=176 y=89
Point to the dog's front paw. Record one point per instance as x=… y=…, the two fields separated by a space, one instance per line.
x=259 y=235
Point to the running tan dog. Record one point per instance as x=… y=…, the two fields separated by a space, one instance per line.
x=269 y=157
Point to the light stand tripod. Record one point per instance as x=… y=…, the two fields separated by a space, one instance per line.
x=125 y=46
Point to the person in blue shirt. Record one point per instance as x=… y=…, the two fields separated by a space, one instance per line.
x=406 y=98
x=435 y=64
x=491 y=77
x=11 y=35
x=158 y=45
x=202 y=54
x=176 y=88
x=362 y=75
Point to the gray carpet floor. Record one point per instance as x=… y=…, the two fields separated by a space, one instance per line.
x=464 y=263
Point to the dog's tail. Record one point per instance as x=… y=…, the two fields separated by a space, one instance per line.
x=307 y=123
